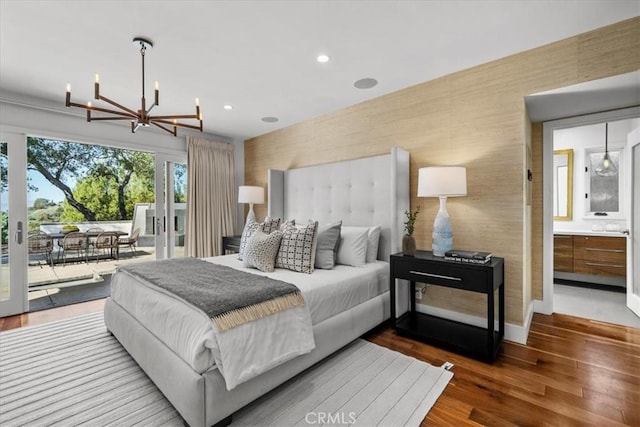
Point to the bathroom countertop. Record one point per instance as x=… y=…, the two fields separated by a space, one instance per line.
x=591 y=233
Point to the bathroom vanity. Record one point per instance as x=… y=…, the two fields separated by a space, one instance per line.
x=590 y=257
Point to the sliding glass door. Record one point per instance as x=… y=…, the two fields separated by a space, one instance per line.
x=13 y=224
x=49 y=186
x=171 y=205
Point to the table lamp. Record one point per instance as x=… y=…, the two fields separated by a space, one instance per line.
x=250 y=194
x=442 y=182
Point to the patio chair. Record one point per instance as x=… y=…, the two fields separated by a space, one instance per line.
x=107 y=240
x=74 y=241
x=93 y=231
x=130 y=241
x=41 y=243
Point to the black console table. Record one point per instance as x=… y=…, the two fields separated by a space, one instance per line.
x=470 y=340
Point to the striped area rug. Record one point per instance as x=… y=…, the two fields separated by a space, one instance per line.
x=73 y=372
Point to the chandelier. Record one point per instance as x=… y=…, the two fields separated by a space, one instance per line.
x=142 y=116
x=606 y=166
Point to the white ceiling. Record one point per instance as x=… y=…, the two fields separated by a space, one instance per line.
x=259 y=56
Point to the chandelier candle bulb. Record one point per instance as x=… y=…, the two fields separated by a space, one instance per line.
x=157 y=93
x=88 y=111
x=68 y=100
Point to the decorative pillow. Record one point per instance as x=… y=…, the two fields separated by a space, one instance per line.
x=296 y=249
x=373 y=240
x=327 y=245
x=353 y=246
x=269 y=225
x=261 y=250
x=287 y=223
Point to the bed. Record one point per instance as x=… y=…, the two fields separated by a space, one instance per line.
x=344 y=302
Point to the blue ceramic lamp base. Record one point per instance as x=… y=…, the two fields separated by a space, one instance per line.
x=442 y=237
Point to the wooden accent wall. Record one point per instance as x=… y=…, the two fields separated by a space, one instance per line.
x=475 y=118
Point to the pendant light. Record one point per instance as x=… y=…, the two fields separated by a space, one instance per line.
x=606 y=167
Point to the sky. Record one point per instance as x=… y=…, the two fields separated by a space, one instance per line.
x=45 y=190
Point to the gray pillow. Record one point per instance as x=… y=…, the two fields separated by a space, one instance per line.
x=327 y=245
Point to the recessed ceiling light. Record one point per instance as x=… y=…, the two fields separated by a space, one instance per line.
x=228 y=107
x=269 y=119
x=323 y=58
x=366 y=83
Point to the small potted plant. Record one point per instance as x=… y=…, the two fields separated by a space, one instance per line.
x=408 y=241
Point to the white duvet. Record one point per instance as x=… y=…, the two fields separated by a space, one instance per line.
x=246 y=351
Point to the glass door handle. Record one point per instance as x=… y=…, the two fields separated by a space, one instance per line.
x=18 y=234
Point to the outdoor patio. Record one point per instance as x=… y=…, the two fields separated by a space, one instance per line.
x=46 y=281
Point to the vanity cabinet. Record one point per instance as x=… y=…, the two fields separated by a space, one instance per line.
x=589 y=258
x=563 y=253
x=600 y=256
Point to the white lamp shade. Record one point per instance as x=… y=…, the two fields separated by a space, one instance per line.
x=250 y=194
x=438 y=181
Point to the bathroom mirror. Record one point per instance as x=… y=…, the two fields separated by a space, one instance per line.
x=563 y=185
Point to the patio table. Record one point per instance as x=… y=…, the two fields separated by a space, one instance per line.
x=90 y=234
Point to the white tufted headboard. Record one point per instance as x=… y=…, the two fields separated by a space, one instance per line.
x=363 y=192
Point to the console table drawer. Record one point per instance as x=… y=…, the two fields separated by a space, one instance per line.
x=444 y=274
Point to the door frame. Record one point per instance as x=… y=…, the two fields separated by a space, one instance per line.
x=546 y=305
x=18 y=301
x=633 y=140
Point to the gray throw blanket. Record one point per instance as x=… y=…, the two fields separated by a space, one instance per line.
x=228 y=296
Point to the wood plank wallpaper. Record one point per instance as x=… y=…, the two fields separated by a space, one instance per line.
x=474 y=118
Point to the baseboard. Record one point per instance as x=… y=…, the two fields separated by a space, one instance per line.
x=540 y=306
x=514 y=333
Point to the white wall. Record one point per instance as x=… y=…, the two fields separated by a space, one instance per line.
x=581 y=139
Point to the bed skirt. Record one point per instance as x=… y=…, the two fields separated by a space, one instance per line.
x=202 y=399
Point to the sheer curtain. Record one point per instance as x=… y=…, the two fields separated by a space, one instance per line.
x=212 y=207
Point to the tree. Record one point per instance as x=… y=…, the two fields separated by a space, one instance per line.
x=4 y=226
x=58 y=161
x=111 y=191
x=120 y=167
x=4 y=162
x=102 y=174
x=180 y=186
x=42 y=203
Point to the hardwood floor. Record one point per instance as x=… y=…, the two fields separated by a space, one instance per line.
x=44 y=316
x=572 y=372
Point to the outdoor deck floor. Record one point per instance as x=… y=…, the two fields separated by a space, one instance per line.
x=42 y=277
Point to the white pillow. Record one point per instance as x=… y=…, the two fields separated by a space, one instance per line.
x=353 y=246
x=373 y=242
x=261 y=250
x=269 y=225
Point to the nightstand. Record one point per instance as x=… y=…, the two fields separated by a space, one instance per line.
x=230 y=244
x=424 y=267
